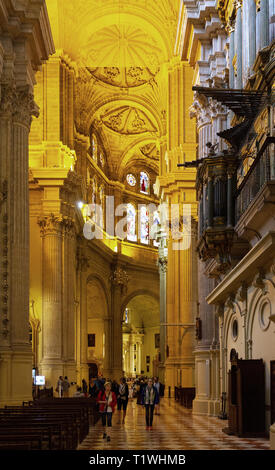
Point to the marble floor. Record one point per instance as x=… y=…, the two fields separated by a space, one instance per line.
x=176 y=428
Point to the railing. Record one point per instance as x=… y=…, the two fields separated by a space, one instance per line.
x=261 y=172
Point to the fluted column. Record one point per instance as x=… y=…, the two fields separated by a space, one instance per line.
x=16 y=109
x=69 y=296
x=52 y=304
x=162 y=309
x=181 y=311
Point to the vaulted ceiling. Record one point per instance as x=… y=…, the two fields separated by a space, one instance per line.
x=121 y=49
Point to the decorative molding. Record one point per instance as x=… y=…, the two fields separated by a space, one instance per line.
x=51 y=224
x=258 y=281
x=127 y=120
x=242 y=293
x=119 y=278
x=163 y=264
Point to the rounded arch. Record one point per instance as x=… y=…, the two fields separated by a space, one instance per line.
x=101 y=283
x=232 y=313
x=258 y=297
x=137 y=293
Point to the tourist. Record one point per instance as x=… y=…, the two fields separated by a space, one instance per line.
x=150 y=398
x=123 y=398
x=157 y=385
x=84 y=387
x=65 y=387
x=59 y=386
x=107 y=403
x=115 y=387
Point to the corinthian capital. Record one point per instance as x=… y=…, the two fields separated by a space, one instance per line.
x=24 y=106
x=7 y=94
x=50 y=225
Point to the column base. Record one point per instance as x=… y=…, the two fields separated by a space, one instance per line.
x=15 y=377
x=52 y=369
x=204 y=406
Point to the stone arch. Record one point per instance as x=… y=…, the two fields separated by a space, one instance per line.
x=97 y=312
x=136 y=294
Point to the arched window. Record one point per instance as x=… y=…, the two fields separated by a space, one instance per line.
x=101 y=160
x=144 y=225
x=94 y=147
x=101 y=199
x=131 y=223
x=156 y=223
x=131 y=180
x=144 y=183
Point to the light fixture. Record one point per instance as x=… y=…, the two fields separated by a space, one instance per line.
x=80 y=204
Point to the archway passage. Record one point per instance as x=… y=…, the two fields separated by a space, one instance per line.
x=141 y=336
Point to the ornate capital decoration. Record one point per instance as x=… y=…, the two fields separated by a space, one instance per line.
x=24 y=106
x=119 y=278
x=7 y=97
x=162 y=264
x=18 y=102
x=50 y=225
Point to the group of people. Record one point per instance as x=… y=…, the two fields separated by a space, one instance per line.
x=63 y=385
x=111 y=395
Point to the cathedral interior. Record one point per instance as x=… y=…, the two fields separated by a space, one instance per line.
x=137 y=192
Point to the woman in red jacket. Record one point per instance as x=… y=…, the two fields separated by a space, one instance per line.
x=107 y=403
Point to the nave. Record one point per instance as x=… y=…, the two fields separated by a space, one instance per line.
x=176 y=428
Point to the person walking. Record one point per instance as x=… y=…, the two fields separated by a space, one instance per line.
x=123 y=396
x=84 y=387
x=107 y=403
x=59 y=386
x=150 y=398
x=115 y=387
x=65 y=387
x=157 y=385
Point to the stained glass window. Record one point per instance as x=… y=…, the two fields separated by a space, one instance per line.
x=101 y=159
x=131 y=180
x=144 y=183
x=131 y=223
x=94 y=147
x=156 y=222
x=144 y=225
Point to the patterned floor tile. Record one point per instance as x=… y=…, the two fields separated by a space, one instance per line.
x=176 y=428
